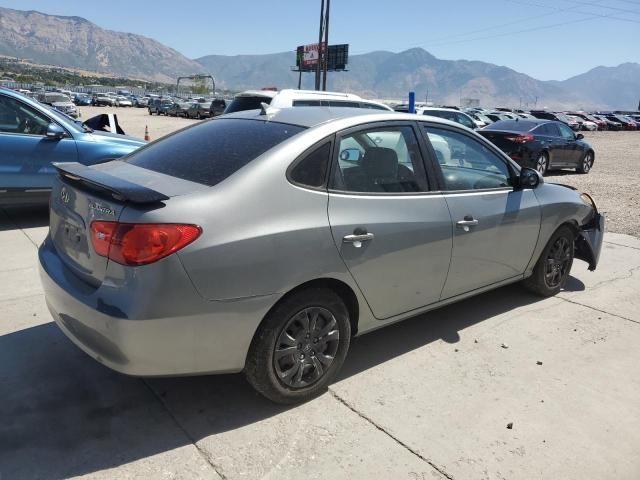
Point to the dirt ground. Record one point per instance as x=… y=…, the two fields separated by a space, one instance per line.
x=609 y=183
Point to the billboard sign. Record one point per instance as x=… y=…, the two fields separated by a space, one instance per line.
x=307 y=57
x=311 y=54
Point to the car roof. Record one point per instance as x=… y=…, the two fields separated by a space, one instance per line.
x=313 y=116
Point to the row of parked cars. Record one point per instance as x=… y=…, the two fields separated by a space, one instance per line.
x=537 y=139
x=199 y=108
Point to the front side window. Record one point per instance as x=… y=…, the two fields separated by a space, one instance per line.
x=16 y=117
x=566 y=132
x=381 y=160
x=466 y=163
x=464 y=120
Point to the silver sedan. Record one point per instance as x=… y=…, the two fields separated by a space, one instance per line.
x=263 y=241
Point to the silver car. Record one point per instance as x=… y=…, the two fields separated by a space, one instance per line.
x=263 y=241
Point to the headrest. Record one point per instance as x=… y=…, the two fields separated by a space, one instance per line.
x=380 y=162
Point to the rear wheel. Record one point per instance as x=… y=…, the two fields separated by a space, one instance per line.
x=542 y=163
x=586 y=164
x=300 y=346
x=554 y=265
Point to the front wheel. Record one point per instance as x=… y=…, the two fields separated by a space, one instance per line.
x=586 y=164
x=554 y=265
x=300 y=346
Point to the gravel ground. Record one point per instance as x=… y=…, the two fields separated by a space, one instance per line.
x=609 y=183
x=614 y=190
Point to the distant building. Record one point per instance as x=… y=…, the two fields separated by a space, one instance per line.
x=469 y=102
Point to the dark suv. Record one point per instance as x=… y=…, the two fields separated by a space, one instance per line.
x=217 y=107
x=159 y=106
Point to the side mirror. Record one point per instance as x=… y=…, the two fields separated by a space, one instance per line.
x=352 y=155
x=529 y=178
x=55 y=132
x=579 y=136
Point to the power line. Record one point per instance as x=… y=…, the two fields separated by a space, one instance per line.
x=608 y=7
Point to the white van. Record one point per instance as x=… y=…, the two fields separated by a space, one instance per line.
x=252 y=99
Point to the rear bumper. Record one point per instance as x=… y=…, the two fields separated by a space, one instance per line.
x=137 y=330
x=589 y=242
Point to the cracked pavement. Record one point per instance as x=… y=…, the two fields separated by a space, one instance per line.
x=428 y=398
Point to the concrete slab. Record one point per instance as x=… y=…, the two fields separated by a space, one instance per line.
x=615 y=286
x=430 y=397
x=246 y=436
x=64 y=415
x=574 y=416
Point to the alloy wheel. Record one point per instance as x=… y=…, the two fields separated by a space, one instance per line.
x=587 y=163
x=557 y=262
x=306 y=347
x=541 y=164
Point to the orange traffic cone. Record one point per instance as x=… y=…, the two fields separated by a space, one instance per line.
x=146 y=133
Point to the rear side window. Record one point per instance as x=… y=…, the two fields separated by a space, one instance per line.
x=209 y=152
x=240 y=104
x=312 y=169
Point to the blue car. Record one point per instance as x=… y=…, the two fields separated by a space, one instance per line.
x=33 y=136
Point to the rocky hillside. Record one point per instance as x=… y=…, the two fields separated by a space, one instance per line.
x=76 y=42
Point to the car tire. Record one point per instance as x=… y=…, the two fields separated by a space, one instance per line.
x=586 y=163
x=554 y=265
x=300 y=346
x=542 y=163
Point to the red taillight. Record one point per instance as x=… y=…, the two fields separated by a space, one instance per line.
x=140 y=243
x=524 y=138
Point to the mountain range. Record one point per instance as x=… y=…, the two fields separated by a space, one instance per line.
x=75 y=42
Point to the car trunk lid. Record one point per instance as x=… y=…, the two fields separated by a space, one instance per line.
x=505 y=140
x=82 y=195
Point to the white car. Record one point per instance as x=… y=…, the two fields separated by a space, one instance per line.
x=253 y=99
x=584 y=124
x=123 y=102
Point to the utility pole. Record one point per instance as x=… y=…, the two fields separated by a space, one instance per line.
x=325 y=50
x=320 y=36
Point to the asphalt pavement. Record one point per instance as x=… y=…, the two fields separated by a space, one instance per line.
x=501 y=386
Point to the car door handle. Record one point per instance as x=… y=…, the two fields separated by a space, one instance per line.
x=467 y=223
x=358 y=238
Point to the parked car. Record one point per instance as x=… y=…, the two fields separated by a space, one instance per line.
x=624 y=122
x=582 y=123
x=480 y=118
x=253 y=99
x=601 y=124
x=178 y=109
x=32 y=136
x=122 y=101
x=611 y=124
x=496 y=117
x=159 y=106
x=104 y=100
x=82 y=99
x=334 y=225
x=140 y=102
x=217 y=107
x=557 y=116
x=541 y=144
x=197 y=110
x=60 y=102
x=449 y=114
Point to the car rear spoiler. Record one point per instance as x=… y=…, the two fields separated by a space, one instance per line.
x=119 y=188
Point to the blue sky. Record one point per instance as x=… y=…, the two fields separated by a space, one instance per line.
x=547 y=39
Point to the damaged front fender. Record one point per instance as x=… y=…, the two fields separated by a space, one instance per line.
x=588 y=243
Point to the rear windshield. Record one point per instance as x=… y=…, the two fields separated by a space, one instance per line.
x=211 y=151
x=240 y=104
x=512 y=125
